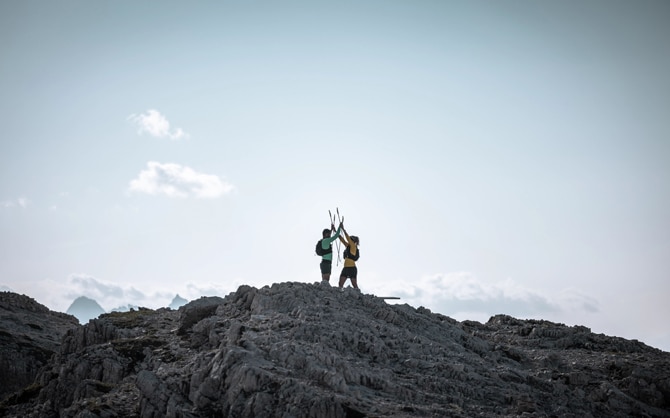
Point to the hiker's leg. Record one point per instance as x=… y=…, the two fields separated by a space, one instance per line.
x=354 y=277
x=325 y=270
x=343 y=277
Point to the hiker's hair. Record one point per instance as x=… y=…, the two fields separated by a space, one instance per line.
x=326 y=233
x=355 y=239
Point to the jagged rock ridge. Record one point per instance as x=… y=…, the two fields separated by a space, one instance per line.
x=29 y=335
x=302 y=350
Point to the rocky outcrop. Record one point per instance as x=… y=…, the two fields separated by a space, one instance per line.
x=29 y=335
x=302 y=350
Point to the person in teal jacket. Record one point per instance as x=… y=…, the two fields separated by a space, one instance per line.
x=327 y=257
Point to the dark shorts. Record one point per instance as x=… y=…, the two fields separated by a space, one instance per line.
x=349 y=272
x=326 y=266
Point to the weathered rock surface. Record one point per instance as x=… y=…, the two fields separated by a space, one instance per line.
x=303 y=350
x=29 y=335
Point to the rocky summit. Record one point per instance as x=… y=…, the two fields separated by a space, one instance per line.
x=307 y=350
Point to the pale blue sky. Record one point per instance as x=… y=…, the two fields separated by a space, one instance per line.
x=494 y=157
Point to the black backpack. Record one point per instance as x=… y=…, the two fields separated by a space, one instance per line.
x=347 y=254
x=320 y=251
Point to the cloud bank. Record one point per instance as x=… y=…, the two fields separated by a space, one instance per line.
x=464 y=296
x=112 y=296
x=177 y=181
x=461 y=296
x=156 y=125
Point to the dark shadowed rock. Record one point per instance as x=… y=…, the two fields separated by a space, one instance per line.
x=302 y=350
x=196 y=311
x=29 y=335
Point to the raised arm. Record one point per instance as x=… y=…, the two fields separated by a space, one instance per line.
x=337 y=234
x=345 y=242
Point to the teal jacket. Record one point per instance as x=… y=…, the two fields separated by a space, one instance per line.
x=325 y=243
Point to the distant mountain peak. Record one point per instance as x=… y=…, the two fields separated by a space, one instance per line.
x=177 y=302
x=85 y=309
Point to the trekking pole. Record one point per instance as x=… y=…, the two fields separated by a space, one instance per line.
x=338 y=241
x=332 y=222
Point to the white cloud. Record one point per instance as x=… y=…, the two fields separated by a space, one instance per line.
x=156 y=125
x=463 y=296
x=20 y=202
x=91 y=287
x=174 y=180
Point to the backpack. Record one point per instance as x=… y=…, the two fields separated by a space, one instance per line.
x=320 y=251
x=347 y=254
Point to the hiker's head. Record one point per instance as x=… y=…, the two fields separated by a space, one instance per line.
x=355 y=239
x=326 y=233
